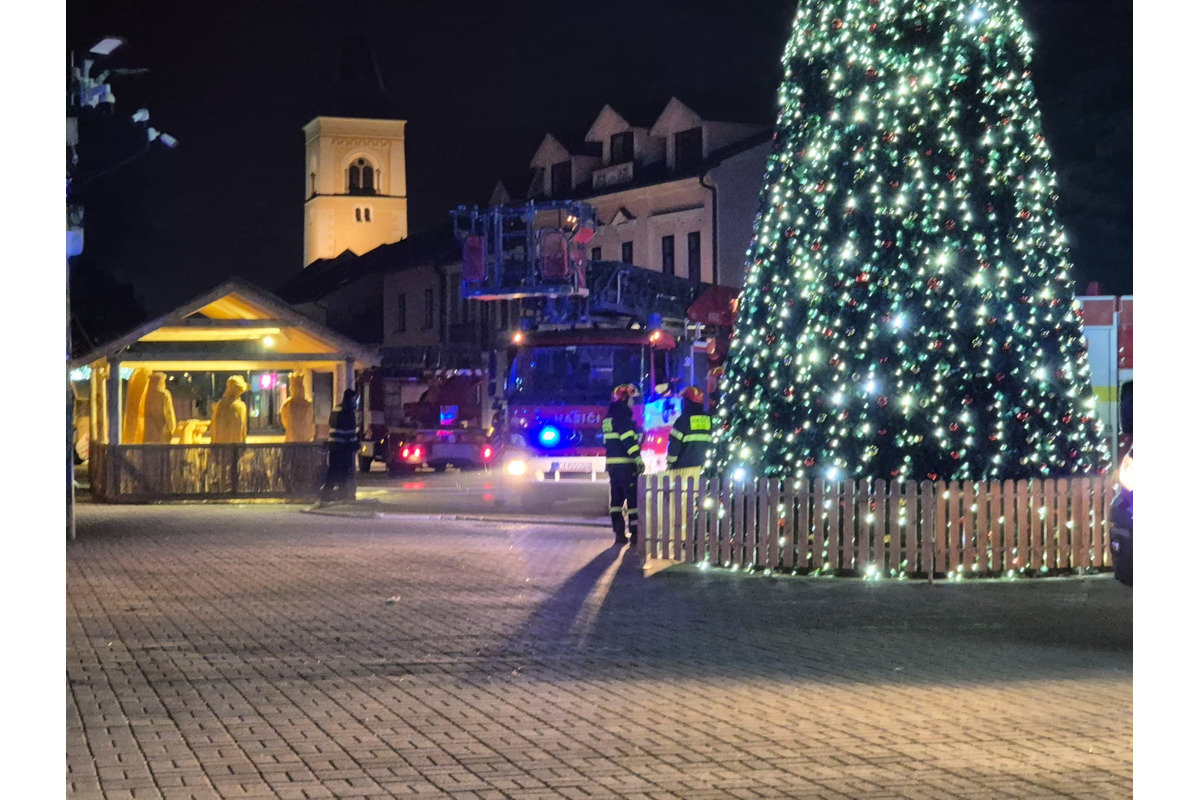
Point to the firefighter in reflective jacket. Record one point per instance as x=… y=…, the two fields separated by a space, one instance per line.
x=342 y=445
x=691 y=436
x=687 y=449
x=623 y=461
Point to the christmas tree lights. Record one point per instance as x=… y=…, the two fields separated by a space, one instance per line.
x=908 y=311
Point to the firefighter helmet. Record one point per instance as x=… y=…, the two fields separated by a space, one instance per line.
x=694 y=394
x=624 y=392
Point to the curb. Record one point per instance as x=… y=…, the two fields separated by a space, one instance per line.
x=353 y=513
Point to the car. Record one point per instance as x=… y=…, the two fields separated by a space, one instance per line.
x=1120 y=537
x=1120 y=541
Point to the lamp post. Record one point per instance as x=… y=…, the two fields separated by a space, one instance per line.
x=88 y=91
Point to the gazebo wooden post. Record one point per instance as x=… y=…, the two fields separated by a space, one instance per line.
x=112 y=411
x=348 y=382
x=348 y=375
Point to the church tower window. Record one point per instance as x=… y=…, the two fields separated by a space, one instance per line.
x=362 y=177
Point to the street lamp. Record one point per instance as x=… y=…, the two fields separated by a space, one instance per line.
x=89 y=91
x=106 y=45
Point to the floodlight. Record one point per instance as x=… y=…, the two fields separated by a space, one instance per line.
x=106 y=45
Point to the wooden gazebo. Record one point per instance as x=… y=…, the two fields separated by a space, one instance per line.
x=236 y=329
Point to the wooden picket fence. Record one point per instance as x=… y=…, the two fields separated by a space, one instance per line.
x=878 y=528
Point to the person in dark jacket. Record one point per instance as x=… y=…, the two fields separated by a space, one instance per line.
x=623 y=462
x=343 y=446
x=691 y=436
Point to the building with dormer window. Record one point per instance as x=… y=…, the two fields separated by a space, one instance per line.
x=675 y=189
x=675 y=193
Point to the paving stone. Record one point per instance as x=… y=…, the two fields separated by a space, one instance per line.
x=250 y=652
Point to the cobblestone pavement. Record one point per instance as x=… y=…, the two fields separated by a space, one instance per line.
x=257 y=652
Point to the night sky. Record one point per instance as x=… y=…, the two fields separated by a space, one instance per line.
x=480 y=84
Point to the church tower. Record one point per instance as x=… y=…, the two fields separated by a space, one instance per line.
x=356 y=187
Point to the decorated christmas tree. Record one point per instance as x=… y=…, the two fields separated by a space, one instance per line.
x=908 y=310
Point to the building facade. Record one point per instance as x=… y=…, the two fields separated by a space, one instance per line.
x=676 y=191
x=356 y=188
x=676 y=194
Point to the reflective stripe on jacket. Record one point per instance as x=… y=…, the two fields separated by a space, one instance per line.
x=691 y=436
x=342 y=431
x=620 y=442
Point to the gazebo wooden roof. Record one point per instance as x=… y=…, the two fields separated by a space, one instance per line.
x=251 y=329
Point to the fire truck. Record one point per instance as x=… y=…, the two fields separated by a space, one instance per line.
x=412 y=419
x=586 y=326
x=1108 y=328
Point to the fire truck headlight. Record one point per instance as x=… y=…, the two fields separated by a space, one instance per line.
x=516 y=467
x=1125 y=474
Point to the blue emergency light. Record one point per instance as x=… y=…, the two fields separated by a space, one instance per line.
x=549 y=436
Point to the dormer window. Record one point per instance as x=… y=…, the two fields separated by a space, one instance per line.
x=362 y=177
x=620 y=147
x=689 y=149
x=560 y=179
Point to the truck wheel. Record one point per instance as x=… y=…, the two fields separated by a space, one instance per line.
x=439 y=467
x=364 y=463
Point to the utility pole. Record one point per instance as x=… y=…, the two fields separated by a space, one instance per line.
x=87 y=91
